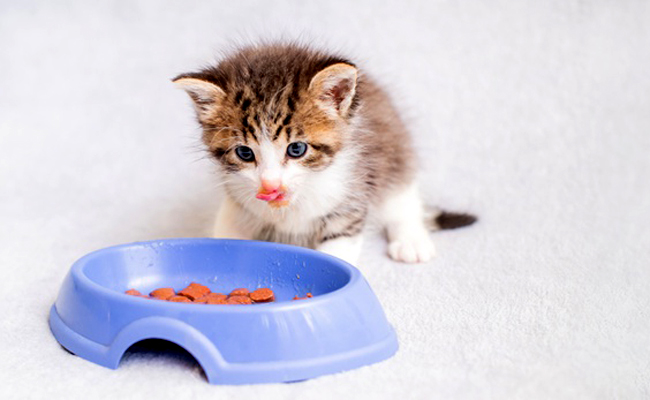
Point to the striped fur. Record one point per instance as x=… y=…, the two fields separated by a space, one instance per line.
x=266 y=97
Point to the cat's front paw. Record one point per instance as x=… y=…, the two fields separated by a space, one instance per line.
x=412 y=250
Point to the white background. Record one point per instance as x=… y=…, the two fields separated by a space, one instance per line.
x=534 y=115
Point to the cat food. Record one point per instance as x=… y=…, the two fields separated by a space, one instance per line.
x=262 y=295
x=240 y=292
x=200 y=294
x=239 y=300
x=133 y=292
x=163 y=293
x=217 y=301
x=198 y=289
x=179 y=299
x=191 y=293
x=308 y=296
x=213 y=298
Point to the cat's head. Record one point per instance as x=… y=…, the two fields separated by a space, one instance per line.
x=274 y=118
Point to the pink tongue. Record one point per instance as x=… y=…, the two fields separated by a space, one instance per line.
x=268 y=196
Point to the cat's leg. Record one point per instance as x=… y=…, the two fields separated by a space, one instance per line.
x=347 y=248
x=231 y=221
x=402 y=214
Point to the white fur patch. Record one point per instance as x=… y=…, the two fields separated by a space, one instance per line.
x=403 y=216
x=346 y=248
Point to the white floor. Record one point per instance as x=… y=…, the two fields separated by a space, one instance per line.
x=536 y=117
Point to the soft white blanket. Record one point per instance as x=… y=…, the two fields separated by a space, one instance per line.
x=534 y=115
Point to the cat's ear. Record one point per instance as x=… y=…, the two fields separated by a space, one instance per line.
x=206 y=96
x=333 y=88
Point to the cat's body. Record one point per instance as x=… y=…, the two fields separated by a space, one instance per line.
x=309 y=149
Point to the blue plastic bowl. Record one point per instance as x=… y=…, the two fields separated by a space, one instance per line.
x=342 y=327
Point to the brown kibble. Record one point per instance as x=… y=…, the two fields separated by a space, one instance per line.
x=204 y=290
x=163 y=293
x=240 y=292
x=217 y=300
x=179 y=299
x=194 y=291
x=210 y=298
x=217 y=296
x=190 y=294
x=239 y=300
x=262 y=295
x=308 y=296
x=201 y=294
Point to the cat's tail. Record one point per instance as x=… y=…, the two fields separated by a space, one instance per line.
x=437 y=219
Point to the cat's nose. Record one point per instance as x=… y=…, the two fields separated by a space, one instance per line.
x=271 y=184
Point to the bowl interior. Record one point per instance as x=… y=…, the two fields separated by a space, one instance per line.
x=222 y=265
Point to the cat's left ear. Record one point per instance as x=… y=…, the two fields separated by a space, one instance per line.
x=333 y=88
x=206 y=96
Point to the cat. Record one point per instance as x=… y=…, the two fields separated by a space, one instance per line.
x=308 y=149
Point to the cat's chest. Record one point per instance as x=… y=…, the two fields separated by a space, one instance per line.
x=304 y=217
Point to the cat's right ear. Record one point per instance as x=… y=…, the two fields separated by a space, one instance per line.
x=206 y=95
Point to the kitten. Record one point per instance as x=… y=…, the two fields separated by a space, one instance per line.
x=308 y=148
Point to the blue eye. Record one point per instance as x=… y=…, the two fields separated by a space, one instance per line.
x=296 y=149
x=245 y=153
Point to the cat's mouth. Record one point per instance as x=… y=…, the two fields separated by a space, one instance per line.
x=276 y=198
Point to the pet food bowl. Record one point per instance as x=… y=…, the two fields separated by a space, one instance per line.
x=342 y=327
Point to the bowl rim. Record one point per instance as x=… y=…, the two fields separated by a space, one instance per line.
x=77 y=270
